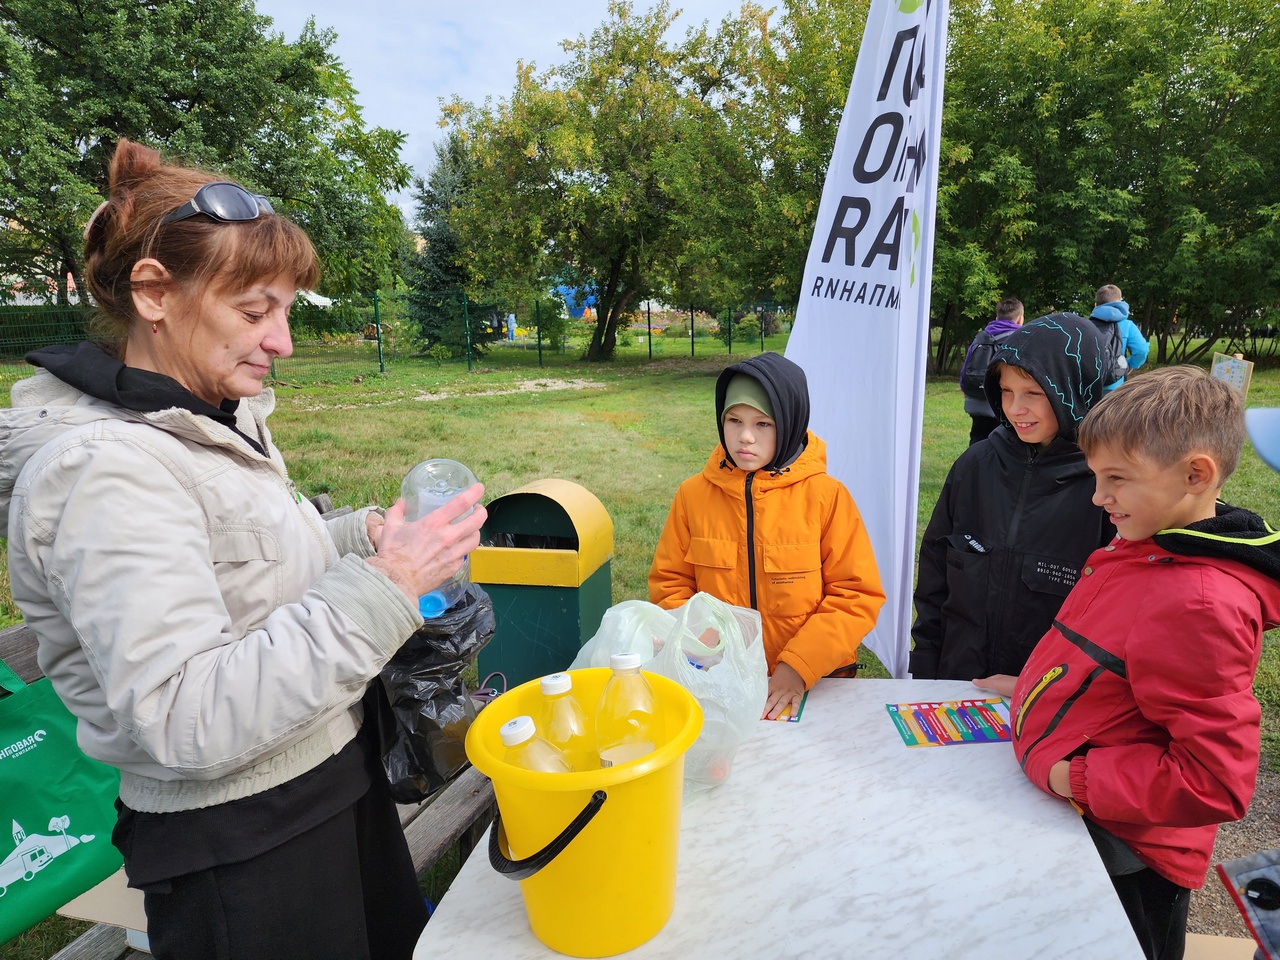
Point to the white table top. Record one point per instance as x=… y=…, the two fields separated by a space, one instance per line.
x=833 y=839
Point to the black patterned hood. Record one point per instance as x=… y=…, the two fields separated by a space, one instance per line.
x=1064 y=356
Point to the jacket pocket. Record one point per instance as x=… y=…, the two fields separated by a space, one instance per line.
x=721 y=554
x=790 y=578
x=1049 y=575
x=229 y=545
x=247 y=562
x=968 y=574
x=1023 y=709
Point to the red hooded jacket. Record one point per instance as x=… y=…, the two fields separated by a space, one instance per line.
x=1145 y=683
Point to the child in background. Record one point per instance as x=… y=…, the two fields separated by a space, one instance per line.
x=765 y=526
x=1137 y=706
x=1015 y=519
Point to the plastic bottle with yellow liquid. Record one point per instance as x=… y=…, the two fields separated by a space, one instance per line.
x=563 y=723
x=528 y=750
x=627 y=724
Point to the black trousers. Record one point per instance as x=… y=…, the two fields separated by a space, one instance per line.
x=344 y=890
x=1157 y=910
x=982 y=426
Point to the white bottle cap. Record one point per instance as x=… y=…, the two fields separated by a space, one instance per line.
x=516 y=731
x=555 y=683
x=624 y=661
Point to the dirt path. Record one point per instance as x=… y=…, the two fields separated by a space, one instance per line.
x=1212 y=909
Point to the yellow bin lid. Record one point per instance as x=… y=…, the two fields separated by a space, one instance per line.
x=549 y=507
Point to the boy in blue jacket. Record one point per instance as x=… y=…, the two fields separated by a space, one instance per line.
x=1109 y=307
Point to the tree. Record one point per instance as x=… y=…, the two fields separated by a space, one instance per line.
x=801 y=70
x=436 y=275
x=1114 y=141
x=597 y=170
x=206 y=82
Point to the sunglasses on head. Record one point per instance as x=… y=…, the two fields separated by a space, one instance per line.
x=222 y=201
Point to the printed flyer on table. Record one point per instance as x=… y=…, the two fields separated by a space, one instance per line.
x=983 y=720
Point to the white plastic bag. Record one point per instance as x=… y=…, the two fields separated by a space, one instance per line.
x=731 y=681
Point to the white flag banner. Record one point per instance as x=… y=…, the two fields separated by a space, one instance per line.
x=862 y=320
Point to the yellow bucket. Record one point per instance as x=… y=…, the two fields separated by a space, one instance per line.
x=594 y=851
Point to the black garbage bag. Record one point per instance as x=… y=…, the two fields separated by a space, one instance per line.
x=419 y=704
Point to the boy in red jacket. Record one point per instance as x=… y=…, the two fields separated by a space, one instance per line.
x=1137 y=706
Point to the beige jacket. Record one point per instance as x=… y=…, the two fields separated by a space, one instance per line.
x=210 y=631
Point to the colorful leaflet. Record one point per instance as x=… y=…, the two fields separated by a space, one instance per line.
x=952 y=722
x=786 y=717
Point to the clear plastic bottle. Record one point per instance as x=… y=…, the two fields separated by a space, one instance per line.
x=528 y=750
x=563 y=722
x=429 y=485
x=627 y=724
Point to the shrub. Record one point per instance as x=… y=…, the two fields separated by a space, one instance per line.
x=748 y=328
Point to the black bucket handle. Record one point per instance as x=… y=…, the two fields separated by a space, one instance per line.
x=526 y=868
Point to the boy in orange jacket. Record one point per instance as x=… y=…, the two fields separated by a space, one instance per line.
x=763 y=525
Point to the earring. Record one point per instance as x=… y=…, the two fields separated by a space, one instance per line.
x=153 y=328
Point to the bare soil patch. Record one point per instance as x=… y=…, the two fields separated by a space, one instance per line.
x=1212 y=909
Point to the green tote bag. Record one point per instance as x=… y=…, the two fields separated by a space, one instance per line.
x=59 y=805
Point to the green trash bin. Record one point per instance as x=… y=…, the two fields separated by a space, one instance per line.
x=544 y=560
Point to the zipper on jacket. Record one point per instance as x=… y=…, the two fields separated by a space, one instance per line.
x=1062 y=711
x=751 y=541
x=1009 y=540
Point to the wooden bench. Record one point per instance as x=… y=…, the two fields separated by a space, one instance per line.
x=458 y=814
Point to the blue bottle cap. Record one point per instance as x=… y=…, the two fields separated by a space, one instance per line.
x=432 y=604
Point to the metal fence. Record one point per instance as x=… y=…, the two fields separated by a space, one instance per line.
x=27 y=328
x=344 y=339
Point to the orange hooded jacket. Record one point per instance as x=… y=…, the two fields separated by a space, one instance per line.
x=790 y=543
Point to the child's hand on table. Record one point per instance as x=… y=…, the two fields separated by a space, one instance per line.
x=786 y=689
x=1001 y=683
x=1060 y=779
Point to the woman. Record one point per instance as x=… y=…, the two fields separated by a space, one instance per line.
x=211 y=632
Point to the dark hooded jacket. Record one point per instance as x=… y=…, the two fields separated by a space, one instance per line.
x=785 y=384
x=1152 y=702
x=1014 y=522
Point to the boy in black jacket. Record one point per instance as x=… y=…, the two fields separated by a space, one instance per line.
x=1015 y=519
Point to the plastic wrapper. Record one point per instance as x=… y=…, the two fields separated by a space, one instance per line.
x=711 y=648
x=423 y=712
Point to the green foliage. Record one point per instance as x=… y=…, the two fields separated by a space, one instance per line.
x=341 y=317
x=401 y=335
x=435 y=273
x=552 y=319
x=746 y=329
x=207 y=83
x=1111 y=142
x=602 y=169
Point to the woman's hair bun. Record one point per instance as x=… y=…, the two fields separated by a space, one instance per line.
x=131 y=165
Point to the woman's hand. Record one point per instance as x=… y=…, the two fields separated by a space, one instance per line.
x=373 y=528
x=786 y=689
x=420 y=556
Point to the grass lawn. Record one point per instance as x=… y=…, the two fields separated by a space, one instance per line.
x=628 y=431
